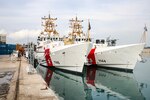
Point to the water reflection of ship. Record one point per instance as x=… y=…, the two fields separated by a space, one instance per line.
x=94 y=84
x=67 y=86
x=120 y=84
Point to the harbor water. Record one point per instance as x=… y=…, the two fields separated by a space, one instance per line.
x=100 y=84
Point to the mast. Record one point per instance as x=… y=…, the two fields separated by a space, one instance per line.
x=76 y=26
x=49 y=25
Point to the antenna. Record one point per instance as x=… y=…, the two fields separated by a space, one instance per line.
x=89 y=28
x=144 y=35
x=49 y=16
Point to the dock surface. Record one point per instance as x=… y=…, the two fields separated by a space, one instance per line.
x=23 y=85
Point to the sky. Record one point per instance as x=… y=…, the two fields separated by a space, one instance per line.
x=121 y=19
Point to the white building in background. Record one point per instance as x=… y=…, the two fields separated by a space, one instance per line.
x=2 y=38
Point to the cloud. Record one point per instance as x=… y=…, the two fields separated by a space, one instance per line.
x=2 y=31
x=106 y=16
x=23 y=36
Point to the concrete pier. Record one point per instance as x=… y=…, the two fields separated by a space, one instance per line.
x=24 y=85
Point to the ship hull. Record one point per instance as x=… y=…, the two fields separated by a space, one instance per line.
x=69 y=57
x=118 y=57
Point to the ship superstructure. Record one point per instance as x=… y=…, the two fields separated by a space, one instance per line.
x=49 y=34
x=76 y=35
